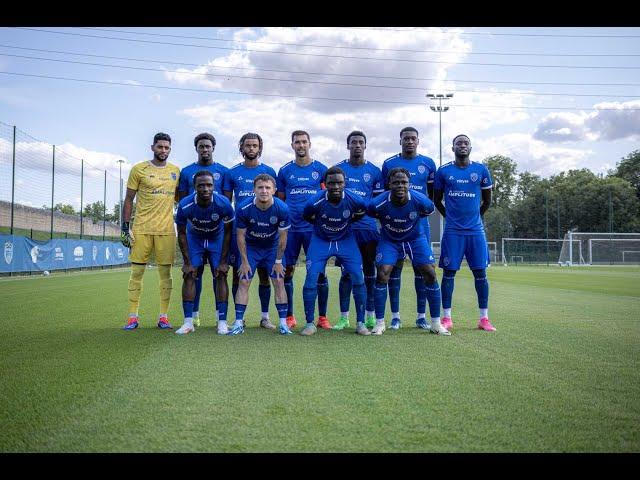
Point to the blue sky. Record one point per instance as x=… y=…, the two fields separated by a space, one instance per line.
x=580 y=125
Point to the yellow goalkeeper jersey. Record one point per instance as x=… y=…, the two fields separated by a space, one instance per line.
x=155 y=197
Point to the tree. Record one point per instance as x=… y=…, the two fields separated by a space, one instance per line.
x=503 y=173
x=526 y=182
x=64 y=208
x=94 y=211
x=629 y=169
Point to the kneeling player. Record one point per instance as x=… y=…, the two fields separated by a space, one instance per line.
x=332 y=212
x=400 y=212
x=258 y=220
x=200 y=219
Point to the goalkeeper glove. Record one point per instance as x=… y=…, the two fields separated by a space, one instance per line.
x=126 y=235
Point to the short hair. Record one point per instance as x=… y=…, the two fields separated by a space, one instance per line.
x=356 y=133
x=204 y=136
x=250 y=136
x=334 y=171
x=264 y=177
x=397 y=170
x=161 y=136
x=202 y=173
x=461 y=135
x=409 y=129
x=300 y=132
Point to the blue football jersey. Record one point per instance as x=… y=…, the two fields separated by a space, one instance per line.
x=400 y=223
x=462 y=195
x=262 y=225
x=239 y=180
x=185 y=184
x=299 y=184
x=333 y=222
x=366 y=181
x=205 y=222
x=422 y=170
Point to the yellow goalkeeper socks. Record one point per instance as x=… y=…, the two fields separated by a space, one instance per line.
x=166 y=284
x=135 y=287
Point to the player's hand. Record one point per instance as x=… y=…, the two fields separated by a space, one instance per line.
x=357 y=215
x=222 y=268
x=188 y=270
x=278 y=269
x=244 y=271
x=126 y=235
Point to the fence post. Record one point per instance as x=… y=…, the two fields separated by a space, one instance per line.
x=104 y=206
x=13 y=177
x=81 y=195
x=53 y=180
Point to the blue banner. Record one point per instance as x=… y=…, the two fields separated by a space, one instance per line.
x=22 y=254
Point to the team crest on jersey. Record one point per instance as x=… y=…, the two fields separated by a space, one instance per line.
x=315 y=175
x=173 y=176
x=215 y=217
x=366 y=177
x=216 y=176
x=421 y=169
x=474 y=177
x=273 y=220
x=346 y=213
x=413 y=215
x=8 y=252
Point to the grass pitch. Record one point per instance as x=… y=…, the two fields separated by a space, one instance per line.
x=560 y=374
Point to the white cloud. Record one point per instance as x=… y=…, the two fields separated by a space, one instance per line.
x=620 y=120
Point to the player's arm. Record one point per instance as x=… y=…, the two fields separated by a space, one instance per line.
x=223 y=267
x=187 y=268
x=430 y=191
x=427 y=208
x=228 y=194
x=309 y=212
x=438 y=194
x=126 y=236
x=371 y=209
x=281 y=196
x=282 y=245
x=244 y=269
x=486 y=200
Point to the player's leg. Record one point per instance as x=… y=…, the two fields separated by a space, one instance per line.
x=349 y=255
x=196 y=299
x=165 y=249
x=280 y=293
x=318 y=253
x=344 y=294
x=264 y=292
x=367 y=243
x=323 y=290
x=196 y=255
x=418 y=281
x=428 y=273
x=138 y=256
x=242 y=295
x=221 y=286
x=394 y=292
x=478 y=260
x=292 y=250
x=451 y=253
x=387 y=255
x=423 y=263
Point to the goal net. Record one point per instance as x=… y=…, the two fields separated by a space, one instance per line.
x=534 y=251
x=601 y=248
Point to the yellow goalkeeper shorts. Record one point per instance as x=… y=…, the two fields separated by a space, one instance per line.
x=164 y=247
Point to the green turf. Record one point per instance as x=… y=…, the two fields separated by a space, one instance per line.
x=560 y=374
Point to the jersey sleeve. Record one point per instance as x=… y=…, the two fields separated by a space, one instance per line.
x=371 y=208
x=134 y=178
x=378 y=182
x=183 y=182
x=281 y=183
x=426 y=206
x=272 y=172
x=311 y=207
x=432 y=171
x=181 y=218
x=438 y=183
x=227 y=181
x=228 y=213
x=241 y=219
x=384 y=172
x=486 y=178
x=284 y=222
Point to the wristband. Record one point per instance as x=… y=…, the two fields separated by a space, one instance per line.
x=279 y=261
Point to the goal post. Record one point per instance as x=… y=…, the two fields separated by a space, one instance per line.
x=492 y=246
x=599 y=247
x=534 y=251
x=612 y=250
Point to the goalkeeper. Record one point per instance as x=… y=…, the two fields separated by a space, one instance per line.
x=155 y=183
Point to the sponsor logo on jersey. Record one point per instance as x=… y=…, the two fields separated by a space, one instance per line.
x=485 y=180
x=378 y=257
x=8 y=252
x=451 y=177
x=446 y=261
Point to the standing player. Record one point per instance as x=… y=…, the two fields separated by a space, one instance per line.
x=331 y=213
x=204 y=221
x=238 y=183
x=466 y=188
x=422 y=170
x=400 y=213
x=258 y=220
x=297 y=181
x=205 y=144
x=155 y=183
x=365 y=180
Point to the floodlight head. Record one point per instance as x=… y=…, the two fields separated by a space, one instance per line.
x=444 y=109
x=449 y=95
x=430 y=95
x=433 y=108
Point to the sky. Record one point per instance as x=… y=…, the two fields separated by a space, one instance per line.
x=552 y=99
